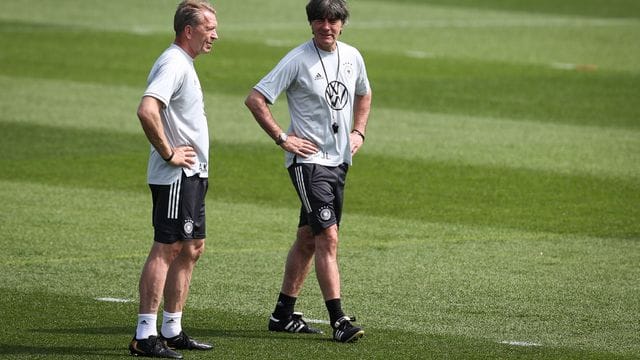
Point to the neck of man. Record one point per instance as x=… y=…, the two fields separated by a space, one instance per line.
x=183 y=43
x=328 y=48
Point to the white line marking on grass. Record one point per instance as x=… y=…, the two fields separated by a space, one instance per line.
x=116 y=300
x=317 y=321
x=519 y=343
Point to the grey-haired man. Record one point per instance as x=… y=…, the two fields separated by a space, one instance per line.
x=172 y=116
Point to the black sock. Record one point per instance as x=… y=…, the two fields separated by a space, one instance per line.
x=284 y=306
x=334 y=307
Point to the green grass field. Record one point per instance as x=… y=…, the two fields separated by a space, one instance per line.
x=494 y=211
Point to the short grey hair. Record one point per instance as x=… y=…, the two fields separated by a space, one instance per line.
x=189 y=12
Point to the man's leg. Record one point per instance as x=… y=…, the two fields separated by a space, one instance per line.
x=298 y=262
x=296 y=270
x=327 y=263
x=152 y=282
x=154 y=275
x=328 y=275
x=327 y=271
x=176 y=289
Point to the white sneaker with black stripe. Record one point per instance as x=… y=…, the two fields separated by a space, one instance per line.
x=345 y=332
x=293 y=324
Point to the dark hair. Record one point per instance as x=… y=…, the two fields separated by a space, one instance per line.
x=189 y=12
x=327 y=9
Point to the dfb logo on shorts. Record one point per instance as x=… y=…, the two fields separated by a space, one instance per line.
x=188 y=227
x=336 y=95
x=325 y=214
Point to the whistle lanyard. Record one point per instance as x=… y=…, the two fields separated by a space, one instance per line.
x=334 y=124
x=322 y=62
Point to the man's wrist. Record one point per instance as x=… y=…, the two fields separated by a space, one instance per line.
x=170 y=156
x=359 y=133
x=282 y=138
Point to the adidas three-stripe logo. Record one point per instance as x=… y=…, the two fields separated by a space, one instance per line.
x=174 y=200
x=294 y=326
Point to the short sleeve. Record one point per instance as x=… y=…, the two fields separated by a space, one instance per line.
x=280 y=78
x=362 y=83
x=164 y=80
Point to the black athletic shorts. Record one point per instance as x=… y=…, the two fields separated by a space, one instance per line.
x=321 y=192
x=178 y=209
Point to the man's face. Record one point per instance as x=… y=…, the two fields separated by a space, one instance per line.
x=326 y=33
x=203 y=35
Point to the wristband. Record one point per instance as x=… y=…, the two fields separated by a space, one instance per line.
x=170 y=156
x=359 y=133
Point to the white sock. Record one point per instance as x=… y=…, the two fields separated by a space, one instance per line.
x=171 y=324
x=146 y=326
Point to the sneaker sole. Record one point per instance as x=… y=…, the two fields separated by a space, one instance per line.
x=137 y=353
x=355 y=337
x=134 y=354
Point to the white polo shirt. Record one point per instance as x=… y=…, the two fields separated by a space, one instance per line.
x=319 y=95
x=173 y=81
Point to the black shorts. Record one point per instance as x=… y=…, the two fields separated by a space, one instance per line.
x=321 y=192
x=178 y=209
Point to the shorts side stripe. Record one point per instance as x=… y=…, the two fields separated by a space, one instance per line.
x=174 y=200
x=303 y=190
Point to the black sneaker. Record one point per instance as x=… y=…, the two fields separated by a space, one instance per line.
x=292 y=324
x=183 y=342
x=152 y=347
x=345 y=332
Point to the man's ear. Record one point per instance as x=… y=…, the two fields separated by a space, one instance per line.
x=188 y=30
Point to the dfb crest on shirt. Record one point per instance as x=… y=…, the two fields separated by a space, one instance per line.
x=336 y=95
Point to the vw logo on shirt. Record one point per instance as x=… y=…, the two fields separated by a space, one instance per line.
x=336 y=95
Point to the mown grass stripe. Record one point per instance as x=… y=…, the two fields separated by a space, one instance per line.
x=236 y=335
x=404 y=188
x=593 y=8
x=484 y=88
x=559 y=148
x=456 y=279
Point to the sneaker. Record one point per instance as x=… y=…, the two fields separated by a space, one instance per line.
x=152 y=347
x=183 y=342
x=345 y=332
x=292 y=324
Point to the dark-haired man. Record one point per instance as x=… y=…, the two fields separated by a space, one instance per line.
x=329 y=99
